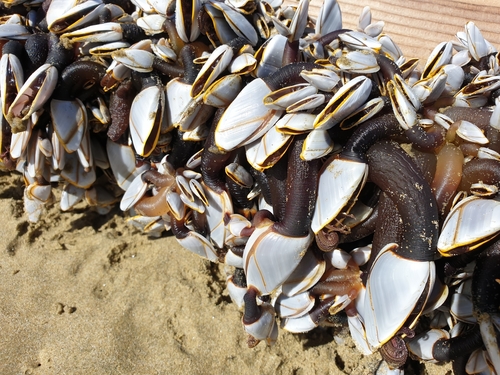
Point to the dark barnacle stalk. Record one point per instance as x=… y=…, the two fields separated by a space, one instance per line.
x=345 y=173
x=36 y=48
x=301 y=193
x=214 y=160
x=485 y=170
x=155 y=205
x=120 y=102
x=392 y=170
x=447 y=176
x=486 y=299
x=276 y=180
x=397 y=176
x=446 y=350
x=292 y=232
x=394 y=351
x=6 y=161
x=239 y=189
x=80 y=79
x=43 y=82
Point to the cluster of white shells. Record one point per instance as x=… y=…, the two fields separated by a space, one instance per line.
x=71 y=152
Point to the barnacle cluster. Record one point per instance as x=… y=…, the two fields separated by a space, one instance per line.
x=323 y=167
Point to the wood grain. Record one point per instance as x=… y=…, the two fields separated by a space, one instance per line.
x=418 y=25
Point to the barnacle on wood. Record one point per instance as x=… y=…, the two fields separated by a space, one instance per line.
x=320 y=163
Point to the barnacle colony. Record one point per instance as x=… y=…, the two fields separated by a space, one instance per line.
x=320 y=164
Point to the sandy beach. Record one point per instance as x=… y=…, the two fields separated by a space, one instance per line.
x=82 y=293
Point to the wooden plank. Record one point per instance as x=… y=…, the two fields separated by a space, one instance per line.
x=418 y=25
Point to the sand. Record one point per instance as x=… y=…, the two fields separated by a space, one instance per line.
x=82 y=293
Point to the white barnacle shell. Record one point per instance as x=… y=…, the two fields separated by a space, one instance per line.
x=146 y=115
x=483 y=190
x=475 y=41
x=338 y=181
x=317 y=144
x=365 y=18
x=163 y=50
x=75 y=173
x=430 y=89
x=455 y=76
x=218 y=61
x=104 y=32
x=268 y=150
x=299 y=20
x=134 y=192
x=363 y=113
x=440 y=56
x=160 y=6
x=329 y=18
x=247 y=118
x=151 y=24
x=359 y=61
x=289 y=95
x=64 y=15
x=270 y=56
x=495 y=115
x=69 y=118
x=307 y=103
x=239 y=175
x=199 y=245
x=235 y=292
x=470 y=223
x=471 y=133
x=404 y=102
x=237 y=21
x=35 y=197
x=390 y=295
x=390 y=48
x=461 y=306
x=295 y=123
x=305 y=275
x=43 y=81
x=186 y=19
x=322 y=79
x=218 y=207
x=70 y=196
x=14 y=31
x=294 y=306
x=487 y=153
x=242 y=64
x=267 y=270
x=357 y=40
x=11 y=79
x=135 y=59
x=223 y=91
x=345 y=101
x=122 y=163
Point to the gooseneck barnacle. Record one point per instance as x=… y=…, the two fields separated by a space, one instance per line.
x=397 y=176
x=320 y=164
